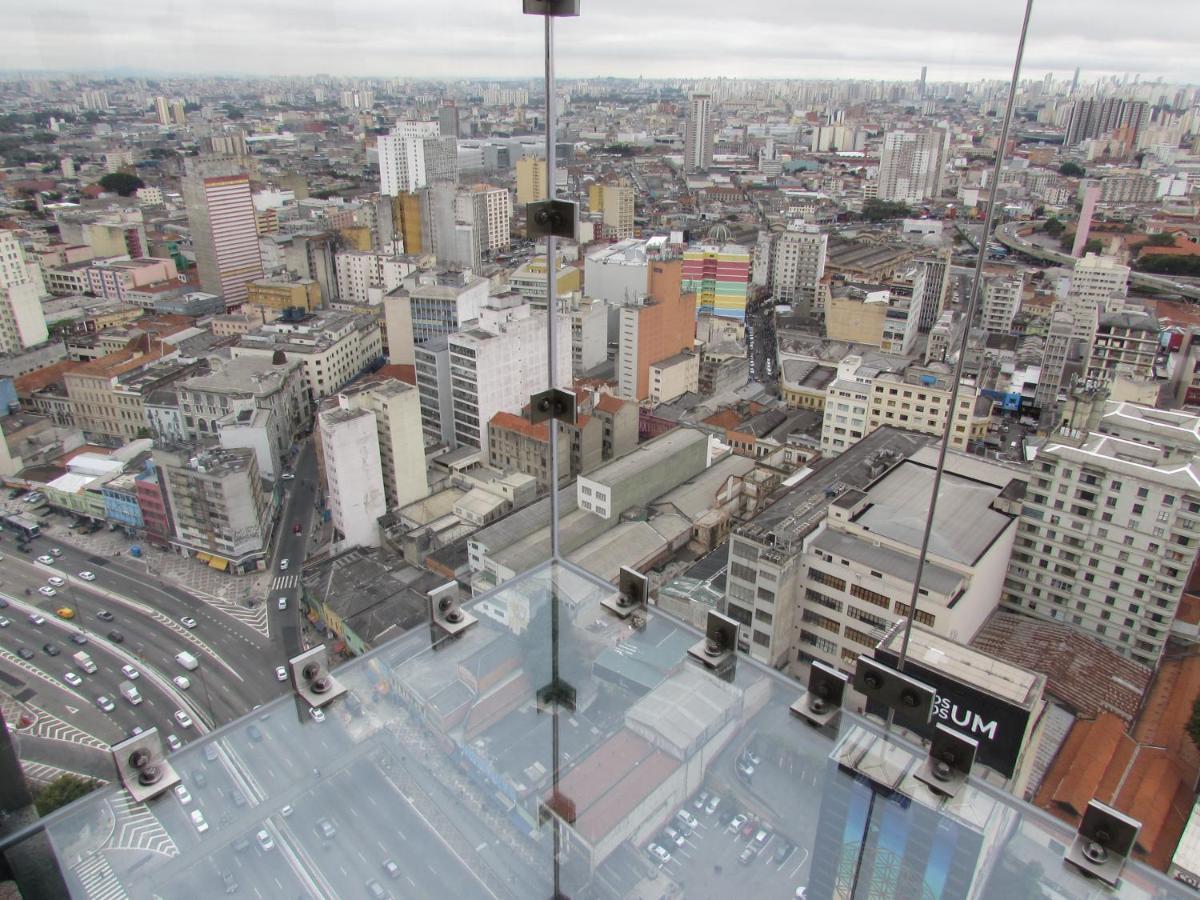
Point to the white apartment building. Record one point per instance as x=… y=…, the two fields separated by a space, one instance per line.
x=22 y=323
x=699 y=134
x=931 y=289
x=1110 y=529
x=1001 y=301
x=414 y=155
x=1096 y=280
x=617 y=273
x=791 y=263
x=396 y=409
x=432 y=365
x=496 y=365
x=489 y=211
x=353 y=474
x=428 y=305
x=589 y=334
x=334 y=347
x=910 y=168
x=364 y=277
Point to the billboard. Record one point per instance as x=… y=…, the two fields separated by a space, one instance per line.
x=998 y=725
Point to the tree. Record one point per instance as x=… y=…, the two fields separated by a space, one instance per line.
x=1072 y=170
x=1053 y=227
x=1161 y=240
x=877 y=210
x=121 y=183
x=61 y=791
x=1093 y=245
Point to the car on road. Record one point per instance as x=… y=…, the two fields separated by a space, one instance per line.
x=182 y=682
x=748 y=854
x=238 y=799
x=389 y=866
x=745 y=769
x=296 y=529
x=188 y=622
x=72 y=679
x=282 y=603
x=4 y=623
x=116 y=637
x=130 y=672
x=659 y=854
x=36 y=619
x=377 y=890
x=326 y=828
x=280 y=673
x=283 y=564
x=46 y=560
x=105 y=704
x=184 y=795
x=183 y=718
x=55 y=552
x=317 y=714
x=55 y=581
x=104 y=615
x=174 y=743
x=286 y=811
x=242 y=844
x=65 y=612
x=713 y=802
x=254 y=733
x=24 y=653
x=287 y=476
x=79 y=638
x=265 y=841
x=198 y=820
x=753 y=758
x=51 y=649
x=87 y=576
x=46 y=591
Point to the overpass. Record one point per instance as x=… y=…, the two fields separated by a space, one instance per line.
x=1008 y=235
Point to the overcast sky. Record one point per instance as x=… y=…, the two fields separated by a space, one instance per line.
x=697 y=38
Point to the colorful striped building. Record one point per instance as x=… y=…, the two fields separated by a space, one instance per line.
x=719 y=277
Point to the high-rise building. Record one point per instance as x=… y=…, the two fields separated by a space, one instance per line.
x=178 y=112
x=22 y=323
x=430 y=305
x=1095 y=118
x=720 y=279
x=220 y=210
x=414 y=155
x=353 y=474
x=653 y=329
x=1126 y=346
x=1098 y=281
x=910 y=169
x=448 y=120
x=699 y=135
x=792 y=263
x=432 y=365
x=531 y=179
x=488 y=210
x=931 y=289
x=1083 y=228
x=618 y=211
x=1001 y=300
x=162 y=109
x=1109 y=528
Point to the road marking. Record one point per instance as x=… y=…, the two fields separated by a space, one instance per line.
x=481 y=846
x=73 y=710
x=800 y=865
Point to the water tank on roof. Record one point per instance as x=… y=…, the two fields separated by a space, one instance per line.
x=928 y=380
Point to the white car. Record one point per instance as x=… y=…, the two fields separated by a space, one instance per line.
x=687 y=819
x=287 y=476
x=182 y=682
x=188 y=622
x=105 y=704
x=46 y=560
x=46 y=591
x=183 y=718
x=72 y=679
x=317 y=714
x=184 y=795
x=264 y=839
x=198 y=821
x=88 y=576
x=4 y=623
x=55 y=581
x=282 y=604
x=174 y=743
x=36 y=619
x=280 y=673
x=54 y=551
x=130 y=672
x=283 y=565
x=659 y=853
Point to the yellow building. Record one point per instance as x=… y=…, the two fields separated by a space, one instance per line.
x=856 y=319
x=406 y=222
x=617 y=207
x=530 y=280
x=531 y=179
x=272 y=293
x=357 y=237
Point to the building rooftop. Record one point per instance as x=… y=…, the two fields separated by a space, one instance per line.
x=646 y=454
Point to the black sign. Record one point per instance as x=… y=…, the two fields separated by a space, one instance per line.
x=998 y=726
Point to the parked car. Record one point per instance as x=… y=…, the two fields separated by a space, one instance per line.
x=658 y=853
x=687 y=819
x=174 y=743
x=280 y=673
x=201 y=826
x=713 y=802
x=673 y=836
x=747 y=855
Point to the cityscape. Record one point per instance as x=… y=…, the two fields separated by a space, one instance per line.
x=567 y=486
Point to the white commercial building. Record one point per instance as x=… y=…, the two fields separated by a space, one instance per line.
x=396 y=410
x=414 y=155
x=790 y=264
x=364 y=277
x=910 y=168
x=617 y=273
x=22 y=323
x=428 y=305
x=489 y=211
x=353 y=474
x=1001 y=301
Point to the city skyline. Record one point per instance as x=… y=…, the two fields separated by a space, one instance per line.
x=489 y=41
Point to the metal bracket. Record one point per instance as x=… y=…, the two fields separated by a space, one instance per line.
x=558 y=806
x=311 y=679
x=911 y=700
x=550 y=7
x=1103 y=842
x=823 y=699
x=633 y=589
x=552 y=218
x=719 y=646
x=557 y=694
x=951 y=756
x=142 y=766
x=554 y=403
x=445 y=611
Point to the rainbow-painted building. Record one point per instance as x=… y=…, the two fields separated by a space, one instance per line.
x=719 y=277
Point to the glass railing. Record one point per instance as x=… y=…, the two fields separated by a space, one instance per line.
x=588 y=757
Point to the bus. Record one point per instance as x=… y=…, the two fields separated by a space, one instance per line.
x=26 y=526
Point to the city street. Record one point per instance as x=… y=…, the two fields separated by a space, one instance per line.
x=299 y=507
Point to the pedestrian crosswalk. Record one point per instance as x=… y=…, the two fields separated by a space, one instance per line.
x=138 y=828
x=284 y=582
x=99 y=880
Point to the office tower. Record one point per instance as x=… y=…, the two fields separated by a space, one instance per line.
x=719 y=277
x=430 y=305
x=499 y=363
x=1075 y=82
x=448 y=120
x=22 y=323
x=220 y=210
x=698 y=136
x=618 y=211
x=531 y=179
x=931 y=288
x=792 y=263
x=921 y=87
x=1083 y=229
x=1114 y=514
x=489 y=211
x=353 y=473
x=414 y=155
x=1001 y=300
x=910 y=169
x=653 y=329
x=1091 y=119
x=432 y=364
x=162 y=110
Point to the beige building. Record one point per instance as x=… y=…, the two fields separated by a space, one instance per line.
x=280 y=294
x=618 y=211
x=855 y=318
x=531 y=179
x=674 y=376
x=529 y=280
x=515 y=444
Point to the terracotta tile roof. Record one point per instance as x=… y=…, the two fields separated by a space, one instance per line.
x=1082 y=673
x=726 y=418
x=510 y=422
x=1081 y=764
x=36 y=380
x=610 y=404
x=115 y=364
x=407 y=374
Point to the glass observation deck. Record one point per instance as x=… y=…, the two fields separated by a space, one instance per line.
x=538 y=754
